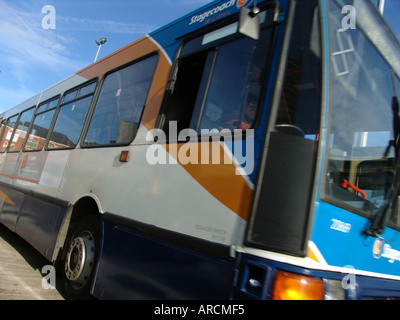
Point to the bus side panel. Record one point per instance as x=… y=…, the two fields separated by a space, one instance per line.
x=7 y=171
x=36 y=220
x=138 y=266
x=39 y=223
x=11 y=206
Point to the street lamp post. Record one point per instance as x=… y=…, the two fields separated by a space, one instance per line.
x=99 y=42
x=381 y=6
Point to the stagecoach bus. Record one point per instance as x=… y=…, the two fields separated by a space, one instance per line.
x=249 y=150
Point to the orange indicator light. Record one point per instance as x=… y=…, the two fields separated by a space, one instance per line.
x=291 y=286
x=124 y=157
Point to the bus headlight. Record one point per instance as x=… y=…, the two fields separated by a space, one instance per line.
x=334 y=290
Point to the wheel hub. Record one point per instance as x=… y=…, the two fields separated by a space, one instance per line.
x=80 y=259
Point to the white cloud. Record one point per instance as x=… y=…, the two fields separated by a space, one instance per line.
x=28 y=53
x=108 y=26
x=35 y=58
x=24 y=50
x=25 y=43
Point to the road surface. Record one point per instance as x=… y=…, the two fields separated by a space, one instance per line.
x=21 y=268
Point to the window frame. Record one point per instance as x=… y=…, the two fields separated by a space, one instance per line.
x=325 y=196
x=95 y=101
x=17 y=115
x=29 y=129
x=2 y=123
x=62 y=104
x=39 y=112
x=397 y=84
x=207 y=48
x=274 y=152
x=390 y=223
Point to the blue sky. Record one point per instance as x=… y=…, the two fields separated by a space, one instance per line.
x=32 y=58
x=392 y=14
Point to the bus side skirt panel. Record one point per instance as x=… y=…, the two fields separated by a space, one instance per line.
x=35 y=219
x=134 y=265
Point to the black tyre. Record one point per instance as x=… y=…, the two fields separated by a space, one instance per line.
x=80 y=259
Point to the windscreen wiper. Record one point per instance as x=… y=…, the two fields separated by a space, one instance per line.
x=378 y=224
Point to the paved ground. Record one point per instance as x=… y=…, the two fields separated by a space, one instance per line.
x=20 y=271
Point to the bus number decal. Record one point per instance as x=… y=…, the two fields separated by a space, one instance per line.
x=340 y=226
x=217 y=234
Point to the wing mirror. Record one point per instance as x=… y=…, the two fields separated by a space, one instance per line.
x=249 y=22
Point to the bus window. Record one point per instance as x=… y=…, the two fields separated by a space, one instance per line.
x=3 y=140
x=228 y=92
x=88 y=89
x=22 y=129
x=52 y=104
x=120 y=104
x=71 y=117
x=10 y=125
x=41 y=125
x=299 y=107
x=217 y=81
x=361 y=161
x=2 y=128
x=70 y=96
x=69 y=123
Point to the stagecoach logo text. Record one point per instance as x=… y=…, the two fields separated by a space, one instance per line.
x=385 y=251
x=212 y=14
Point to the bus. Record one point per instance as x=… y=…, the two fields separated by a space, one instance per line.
x=249 y=150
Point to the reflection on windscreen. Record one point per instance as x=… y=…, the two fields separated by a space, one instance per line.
x=361 y=160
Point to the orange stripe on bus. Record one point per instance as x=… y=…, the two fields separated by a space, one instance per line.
x=156 y=93
x=219 y=179
x=5 y=198
x=312 y=255
x=129 y=53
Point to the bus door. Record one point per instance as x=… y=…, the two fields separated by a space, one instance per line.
x=280 y=215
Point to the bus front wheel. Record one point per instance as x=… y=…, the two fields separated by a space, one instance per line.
x=81 y=256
